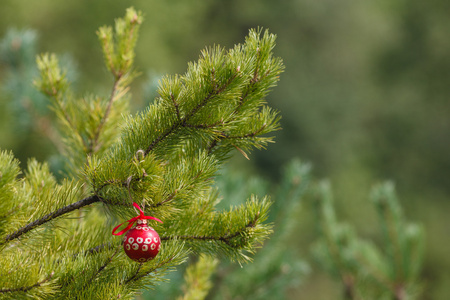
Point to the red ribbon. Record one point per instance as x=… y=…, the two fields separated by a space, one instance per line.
x=131 y=221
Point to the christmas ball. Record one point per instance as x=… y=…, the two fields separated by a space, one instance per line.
x=142 y=242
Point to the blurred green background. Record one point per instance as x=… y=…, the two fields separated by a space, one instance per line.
x=364 y=98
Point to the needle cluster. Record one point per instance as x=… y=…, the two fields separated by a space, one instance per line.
x=55 y=237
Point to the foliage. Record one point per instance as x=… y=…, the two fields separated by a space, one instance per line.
x=197 y=283
x=29 y=118
x=276 y=268
x=364 y=96
x=365 y=270
x=55 y=237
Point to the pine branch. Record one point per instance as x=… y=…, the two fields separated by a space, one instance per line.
x=93 y=145
x=377 y=274
x=183 y=122
x=123 y=70
x=220 y=97
x=194 y=113
x=124 y=184
x=392 y=228
x=359 y=263
x=50 y=216
x=27 y=288
x=251 y=87
x=54 y=84
x=168 y=199
x=102 y=267
x=224 y=238
x=349 y=287
x=97 y=249
x=197 y=278
x=225 y=136
x=137 y=277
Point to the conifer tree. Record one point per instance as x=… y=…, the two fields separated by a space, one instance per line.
x=55 y=236
x=25 y=114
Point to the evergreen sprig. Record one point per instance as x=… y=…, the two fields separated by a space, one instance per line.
x=56 y=244
x=275 y=269
x=89 y=124
x=197 y=278
x=365 y=270
x=38 y=199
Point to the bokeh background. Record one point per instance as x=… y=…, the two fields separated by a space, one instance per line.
x=364 y=98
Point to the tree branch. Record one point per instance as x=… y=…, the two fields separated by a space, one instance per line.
x=182 y=122
x=224 y=136
x=56 y=93
x=225 y=238
x=113 y=181
x=204 y=126
x=135 y=277
x=170 y=198
x=97 y=249
x=27 y=288
x=51 y=216
x=102 y=267
x=136 y=273
x=175 y=104
x=349 y=287
x=251 y=86
x=248 y=135
x=115 y=87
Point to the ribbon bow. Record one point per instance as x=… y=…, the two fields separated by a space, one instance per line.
x=132 y=220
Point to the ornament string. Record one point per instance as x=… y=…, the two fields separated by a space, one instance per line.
x=132 y=220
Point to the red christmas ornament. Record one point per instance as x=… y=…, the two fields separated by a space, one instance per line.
x=142 y=242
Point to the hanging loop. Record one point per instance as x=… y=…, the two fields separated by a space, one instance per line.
x=132 y=220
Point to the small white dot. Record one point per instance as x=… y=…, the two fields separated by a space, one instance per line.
x=135 y=246
x=138 y=227
x=127 y=246
x=139 y=240
x=144 y=247
x=145 y=229
x=148 y=240
x=152 y=246
x=155 y=239
x=131 y=240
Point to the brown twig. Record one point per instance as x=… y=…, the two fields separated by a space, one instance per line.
x=102 y=267
x=115 y=87
x=51 y=216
